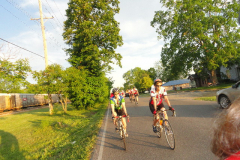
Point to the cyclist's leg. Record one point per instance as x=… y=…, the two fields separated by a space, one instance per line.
x=115 y=120
x=157 y=118
x=121 y=113
x=136 y=97
x=164 y=113
x=154 y=116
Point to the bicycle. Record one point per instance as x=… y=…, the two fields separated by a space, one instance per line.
x=164 y=124
x=121 y=130
x=135 y=99
x=130 y=97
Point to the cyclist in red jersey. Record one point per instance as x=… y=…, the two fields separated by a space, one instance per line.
x=155 y=104
x=123 y=94
x=130 y=94
x=135 y=93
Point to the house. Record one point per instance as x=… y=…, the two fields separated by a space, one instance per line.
x=233 y=73
x=177 y=84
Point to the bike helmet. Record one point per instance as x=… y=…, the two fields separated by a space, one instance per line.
x=157 y=80
x=115 y=90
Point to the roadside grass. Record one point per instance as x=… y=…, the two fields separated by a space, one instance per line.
x=212 y=98
x=219 y=87
x=37 y=135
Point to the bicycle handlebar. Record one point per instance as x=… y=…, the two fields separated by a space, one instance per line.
x=174 y=113
x=122 y=116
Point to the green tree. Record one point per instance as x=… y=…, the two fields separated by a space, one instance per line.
x=84 y=90
x=199 y=34
x=93 y=35
x=13 y=75
x=145 y=83
x=133 y=77
x=152 y=73
x=51 y=81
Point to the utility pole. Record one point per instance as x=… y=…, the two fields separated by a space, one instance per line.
x=43 y=32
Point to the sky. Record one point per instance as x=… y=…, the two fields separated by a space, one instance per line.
x=141 y=46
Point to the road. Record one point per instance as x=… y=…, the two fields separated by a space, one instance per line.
x=192 y=128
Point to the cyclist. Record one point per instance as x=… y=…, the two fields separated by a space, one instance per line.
x=136 y=94
x=155 y=104
x=130 y=94
x=118 y=108
x=123 y=94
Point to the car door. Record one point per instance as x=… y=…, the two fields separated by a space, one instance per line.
x=235 y=93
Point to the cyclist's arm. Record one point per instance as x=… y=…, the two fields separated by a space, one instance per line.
x=167 y=101
x=114 y=114
x=153 y=96
x=124 y=108
x=154 y=103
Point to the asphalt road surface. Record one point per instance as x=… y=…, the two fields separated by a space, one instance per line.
x=192 y=129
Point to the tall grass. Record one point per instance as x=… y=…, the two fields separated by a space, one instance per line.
x=37 y=135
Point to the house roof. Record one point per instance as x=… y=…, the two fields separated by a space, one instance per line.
x=176 y=82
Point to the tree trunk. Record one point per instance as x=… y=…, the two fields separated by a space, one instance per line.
x=214 y=77
x=65 y=101
x=50 y=104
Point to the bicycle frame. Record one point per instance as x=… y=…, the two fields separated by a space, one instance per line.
x=164 y=124
x=121 y=130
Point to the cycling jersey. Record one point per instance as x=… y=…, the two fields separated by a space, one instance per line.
x=130 y=91
x=119 y=104
x=135 y=91
x=159 y=95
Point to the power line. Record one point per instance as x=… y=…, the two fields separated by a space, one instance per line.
x=58 y=9
x=28 y=15
x=53 y=18
x=22 y=48
x=19 y=8
x=19 y=19
x=53 y=13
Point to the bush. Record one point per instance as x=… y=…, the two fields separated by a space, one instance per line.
x=85 y=91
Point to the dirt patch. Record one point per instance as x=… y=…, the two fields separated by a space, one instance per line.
x=5 y=113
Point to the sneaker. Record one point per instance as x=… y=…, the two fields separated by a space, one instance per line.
x=154 y=129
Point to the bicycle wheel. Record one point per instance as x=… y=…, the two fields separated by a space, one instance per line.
x=123 y=138
x=169 y=134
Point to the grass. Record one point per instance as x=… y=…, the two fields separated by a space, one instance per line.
x=219 y=87
x=212 y=98
x=37 y=135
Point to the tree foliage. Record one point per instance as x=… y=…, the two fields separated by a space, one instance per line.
x=145 y=83
x=199 y=34
x=52 y=80
x=86 y=91
x=13 y=75
x=134 y=77
x=93 y=34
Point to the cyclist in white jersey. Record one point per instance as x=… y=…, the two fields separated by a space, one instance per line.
x=155 y=104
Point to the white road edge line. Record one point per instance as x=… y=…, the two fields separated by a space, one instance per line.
x=103 y=137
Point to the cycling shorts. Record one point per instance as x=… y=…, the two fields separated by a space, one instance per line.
x=120 y=112
x=151 y=106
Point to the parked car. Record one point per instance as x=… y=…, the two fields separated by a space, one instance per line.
x=226 y=96
x=146 y=91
